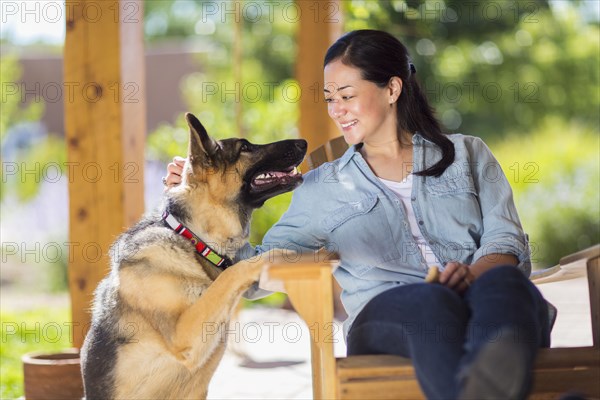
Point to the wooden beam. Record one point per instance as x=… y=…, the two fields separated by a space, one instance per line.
x=320 y=25
x=105 y=124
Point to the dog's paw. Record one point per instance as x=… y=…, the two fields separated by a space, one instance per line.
x=265 y=282
x=250 y=268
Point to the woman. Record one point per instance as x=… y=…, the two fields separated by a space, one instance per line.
x=405 y=197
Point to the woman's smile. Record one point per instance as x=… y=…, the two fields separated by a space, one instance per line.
x=352 y=99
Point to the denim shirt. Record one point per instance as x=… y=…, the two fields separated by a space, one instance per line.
x=466 y=213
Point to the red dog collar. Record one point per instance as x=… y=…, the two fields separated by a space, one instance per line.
x=201 y=247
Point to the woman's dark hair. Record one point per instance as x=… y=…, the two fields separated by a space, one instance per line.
x=380 y=56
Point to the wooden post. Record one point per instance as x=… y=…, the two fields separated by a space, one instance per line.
x=320 y=25
x=105 y=124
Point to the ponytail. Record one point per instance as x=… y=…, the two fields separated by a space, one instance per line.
x=416 y=115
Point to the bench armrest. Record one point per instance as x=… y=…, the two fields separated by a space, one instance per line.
x=308 y=282
x=570 y=267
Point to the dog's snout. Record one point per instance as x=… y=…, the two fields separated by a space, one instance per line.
x=301 y=144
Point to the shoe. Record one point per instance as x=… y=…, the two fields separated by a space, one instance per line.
x=499 y=371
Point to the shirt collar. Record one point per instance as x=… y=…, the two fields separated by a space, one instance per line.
x=347 y=156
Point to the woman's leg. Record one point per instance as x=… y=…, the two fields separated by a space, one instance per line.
x=424 y=322
x=509 y=322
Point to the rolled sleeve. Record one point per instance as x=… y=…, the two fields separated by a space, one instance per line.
x=502 y=230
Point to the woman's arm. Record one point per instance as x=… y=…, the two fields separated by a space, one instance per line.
x=503 y=234
x=490 y=261
x=503 y=241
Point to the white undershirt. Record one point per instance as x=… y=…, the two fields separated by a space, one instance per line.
x=403 y=190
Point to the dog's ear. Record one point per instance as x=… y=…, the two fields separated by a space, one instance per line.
x=202 y=147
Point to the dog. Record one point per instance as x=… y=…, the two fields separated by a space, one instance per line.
x=172 y=278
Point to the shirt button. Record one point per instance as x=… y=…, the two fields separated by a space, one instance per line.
x=413 y=199
x=420 y=222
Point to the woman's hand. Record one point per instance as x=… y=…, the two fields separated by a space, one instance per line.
x=457 y=276
x=174 y=171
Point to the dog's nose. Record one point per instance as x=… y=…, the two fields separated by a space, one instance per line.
x=301 y=144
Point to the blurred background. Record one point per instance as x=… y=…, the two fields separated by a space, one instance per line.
x=524 y=76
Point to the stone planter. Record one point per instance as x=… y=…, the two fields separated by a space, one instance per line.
x=53 y=375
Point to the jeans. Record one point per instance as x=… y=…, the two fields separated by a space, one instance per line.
x=442 y=331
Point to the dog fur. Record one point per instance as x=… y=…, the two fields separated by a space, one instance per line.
x=160 y=316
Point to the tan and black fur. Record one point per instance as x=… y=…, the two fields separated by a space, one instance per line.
x=160 y=316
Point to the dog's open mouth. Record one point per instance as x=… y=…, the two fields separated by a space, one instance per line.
x=271 y=179
x=275 y=171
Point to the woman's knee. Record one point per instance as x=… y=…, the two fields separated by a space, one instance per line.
x=504 y=296
x=501 y=277
x=507 y=270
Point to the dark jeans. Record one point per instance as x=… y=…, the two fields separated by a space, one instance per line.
x=442 y=331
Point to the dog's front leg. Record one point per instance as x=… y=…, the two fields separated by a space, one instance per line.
x=200 y=328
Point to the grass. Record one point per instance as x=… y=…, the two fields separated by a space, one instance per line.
x=42 y=329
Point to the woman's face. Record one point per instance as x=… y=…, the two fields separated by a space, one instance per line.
x=362 y=111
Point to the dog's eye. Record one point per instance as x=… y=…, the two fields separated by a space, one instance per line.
x=245 y=147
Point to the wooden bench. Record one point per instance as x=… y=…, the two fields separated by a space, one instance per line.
x=310 y=288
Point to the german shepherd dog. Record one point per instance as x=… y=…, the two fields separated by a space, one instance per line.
x=171 y=276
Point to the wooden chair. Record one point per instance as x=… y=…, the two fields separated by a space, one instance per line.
x=310 y=288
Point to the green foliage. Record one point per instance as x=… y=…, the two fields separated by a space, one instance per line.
x=555 y=175
x=266 y=216
x=492 y=67
x=42 y=329
x=275 y=300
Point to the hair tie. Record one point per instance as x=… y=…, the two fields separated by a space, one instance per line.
x=413 y=70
